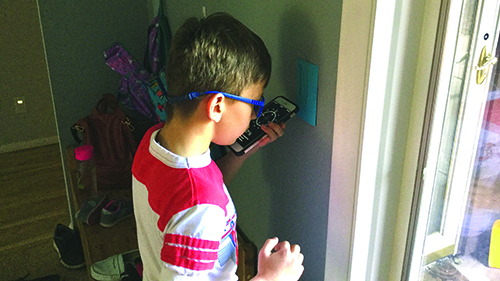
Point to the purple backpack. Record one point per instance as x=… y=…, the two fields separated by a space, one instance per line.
x=135 y=91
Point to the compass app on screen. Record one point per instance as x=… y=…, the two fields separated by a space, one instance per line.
x=279 y=110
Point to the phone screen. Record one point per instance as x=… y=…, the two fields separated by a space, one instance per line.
x=278 y=110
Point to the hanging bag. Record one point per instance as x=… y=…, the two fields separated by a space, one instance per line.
x=109 y=131
x=142 y=87
x=133 y=90
x=155 y=60
x=159 y=40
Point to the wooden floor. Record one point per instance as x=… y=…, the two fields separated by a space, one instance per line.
x=32 y=202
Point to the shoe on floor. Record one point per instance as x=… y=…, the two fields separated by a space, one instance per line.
x=54 y=277
x=68 y=245
x=115 y=211
x=131 y=274
x=114 y=267
x=90 y=211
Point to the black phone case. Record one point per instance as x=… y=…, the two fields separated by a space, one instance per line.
x=272 y=112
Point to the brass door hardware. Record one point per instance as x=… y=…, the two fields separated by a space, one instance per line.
x=483 y=65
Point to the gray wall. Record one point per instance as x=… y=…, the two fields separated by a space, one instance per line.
x=23 y=73
x=284 y=189
x=76 y=34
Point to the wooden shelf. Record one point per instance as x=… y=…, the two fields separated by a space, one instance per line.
x=99 y=243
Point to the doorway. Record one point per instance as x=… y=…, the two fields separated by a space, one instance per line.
x=459 y=191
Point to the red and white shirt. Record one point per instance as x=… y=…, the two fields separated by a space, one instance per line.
x=186 y=220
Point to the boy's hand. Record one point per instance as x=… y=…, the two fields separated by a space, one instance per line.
x=273 y=131
x=230 y=164
x=279 y=261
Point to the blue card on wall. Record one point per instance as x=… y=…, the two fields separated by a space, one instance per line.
x=307 y=91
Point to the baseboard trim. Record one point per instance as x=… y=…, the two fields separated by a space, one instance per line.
x=4 y=148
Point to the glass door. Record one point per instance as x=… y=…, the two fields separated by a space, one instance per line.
x=458 y=195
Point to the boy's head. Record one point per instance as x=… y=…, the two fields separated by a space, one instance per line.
x=217 y=53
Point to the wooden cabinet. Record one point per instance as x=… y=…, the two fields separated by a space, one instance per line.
x=100 y=242
x=247 y=257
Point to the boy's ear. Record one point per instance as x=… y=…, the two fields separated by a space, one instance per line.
x=215 y=107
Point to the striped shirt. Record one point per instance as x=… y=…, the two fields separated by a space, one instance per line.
x=186 y=220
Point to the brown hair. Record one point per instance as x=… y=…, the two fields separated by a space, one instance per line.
x=217 y=53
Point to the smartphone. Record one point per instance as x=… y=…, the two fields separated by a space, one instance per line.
x=279 y=110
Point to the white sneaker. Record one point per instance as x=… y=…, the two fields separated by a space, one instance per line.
x=112 y=268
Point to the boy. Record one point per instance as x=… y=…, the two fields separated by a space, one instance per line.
x=186 y=221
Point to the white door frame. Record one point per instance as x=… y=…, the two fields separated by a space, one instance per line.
x=370 y=201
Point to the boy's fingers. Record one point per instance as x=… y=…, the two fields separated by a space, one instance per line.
x=300 y=259
x=274 y=130
x=295 y=249
x=264 y=141
x=276 y=126
x=277 y=129
x=269 y=245
x=269 y=132
x=282 y=245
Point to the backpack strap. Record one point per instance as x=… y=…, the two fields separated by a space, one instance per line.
x=158 y=43
x=108 y=104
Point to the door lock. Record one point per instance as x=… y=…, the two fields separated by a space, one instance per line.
x=483 y=65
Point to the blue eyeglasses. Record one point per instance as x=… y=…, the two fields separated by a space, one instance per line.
x=257 y=104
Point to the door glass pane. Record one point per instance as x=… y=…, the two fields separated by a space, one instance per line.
x=483 y=206
x=473 y=258
x=456 y=80
x=459 y=199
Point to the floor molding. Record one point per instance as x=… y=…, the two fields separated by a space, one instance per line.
x=4 y=148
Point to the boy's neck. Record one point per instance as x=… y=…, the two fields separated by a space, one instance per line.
x=187 y=139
